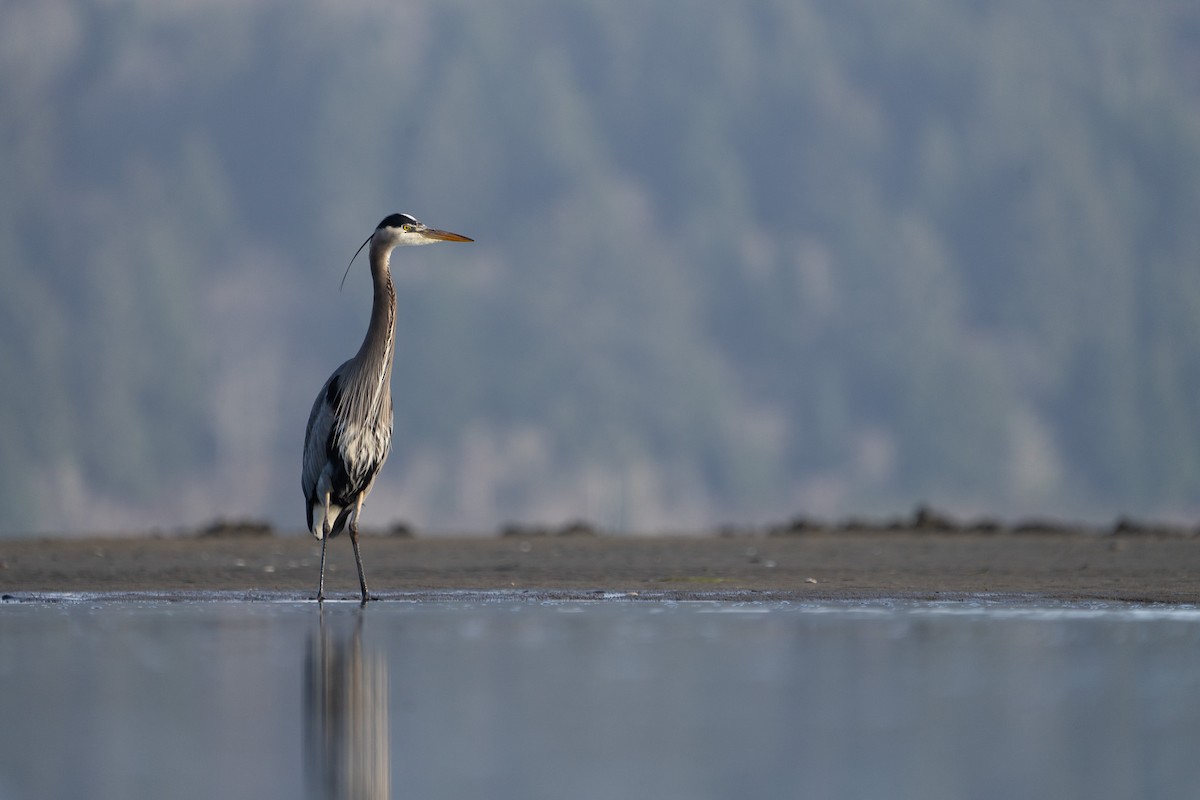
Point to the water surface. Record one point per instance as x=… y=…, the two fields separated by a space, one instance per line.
x=504 y=697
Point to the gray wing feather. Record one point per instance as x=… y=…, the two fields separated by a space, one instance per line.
x=345 y=443
x=321 y=422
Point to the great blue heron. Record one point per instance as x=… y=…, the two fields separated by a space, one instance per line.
x=349 y=430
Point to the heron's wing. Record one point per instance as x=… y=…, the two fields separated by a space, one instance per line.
x=321 y=422
x=346 y=442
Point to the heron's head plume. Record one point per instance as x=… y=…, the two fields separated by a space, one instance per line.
x=399 y=230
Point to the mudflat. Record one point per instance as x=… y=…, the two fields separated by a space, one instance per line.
x=843 y=563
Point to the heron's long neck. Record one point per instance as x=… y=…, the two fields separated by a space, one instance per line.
x=374 y=358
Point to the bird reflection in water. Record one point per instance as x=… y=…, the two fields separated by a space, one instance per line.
x=345 y=712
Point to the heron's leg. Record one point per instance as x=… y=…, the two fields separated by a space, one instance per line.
x=321 y=583
x=362 y=579
x=324 y=542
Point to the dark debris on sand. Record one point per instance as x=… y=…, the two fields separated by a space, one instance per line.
x=926 y=519
x=923 y=519
x=576 y=527
x=227 y=528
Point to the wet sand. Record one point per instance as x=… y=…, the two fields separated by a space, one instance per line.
x=838 y=564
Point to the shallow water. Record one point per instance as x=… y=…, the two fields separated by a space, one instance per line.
x=505 y=697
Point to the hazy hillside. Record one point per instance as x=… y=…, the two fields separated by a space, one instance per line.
x=737 y=263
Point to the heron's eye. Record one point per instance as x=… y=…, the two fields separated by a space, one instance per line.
x=406 y=227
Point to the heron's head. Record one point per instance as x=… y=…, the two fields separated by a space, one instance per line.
x=398 y=230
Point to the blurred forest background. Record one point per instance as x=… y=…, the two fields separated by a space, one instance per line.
x=735 y=261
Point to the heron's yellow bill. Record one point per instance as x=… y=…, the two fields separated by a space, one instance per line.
x=445 y=236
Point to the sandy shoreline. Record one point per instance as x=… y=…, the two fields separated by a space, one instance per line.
x=828 y=564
